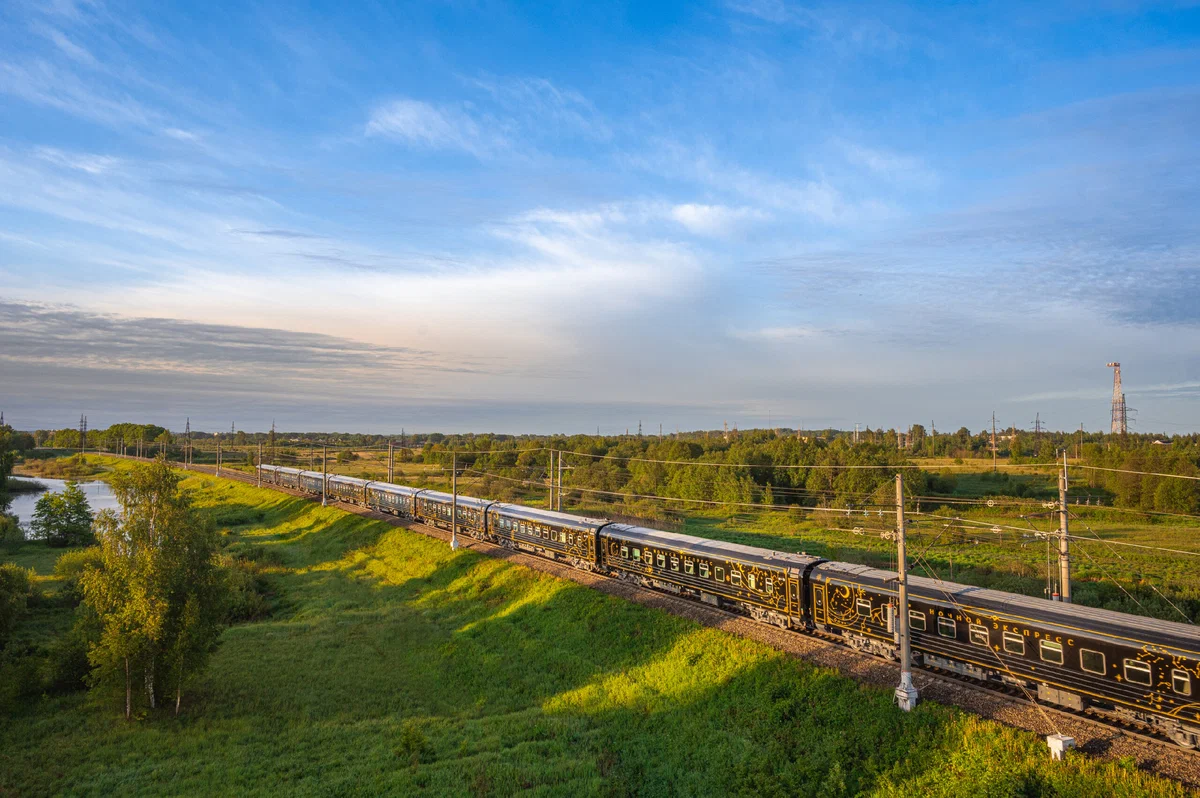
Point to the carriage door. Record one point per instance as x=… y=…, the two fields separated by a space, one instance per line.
x=819 y=602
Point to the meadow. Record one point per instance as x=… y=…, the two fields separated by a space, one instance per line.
x=391 y=665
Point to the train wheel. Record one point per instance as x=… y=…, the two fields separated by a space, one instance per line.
x=1184 y=738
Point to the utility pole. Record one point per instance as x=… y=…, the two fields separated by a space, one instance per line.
x=218 y=457
x=1079 y=448
x=187 y=444
x=856 y=434
x=550 y=478
x=391 y=461
x=558 y=504
x=454 y=501
x=994 y=466
x=933 y=437
x=660 y=430
x=1064 y=554
x=324 y=474
x=906 y=693
x=258 y=469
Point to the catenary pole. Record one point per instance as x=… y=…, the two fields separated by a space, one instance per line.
x=258 y=470
x=391 y=461
x=906 y=693
x=218 y=457
x=560 y=473
x=454 y=501
x=1064 y=552
x=324 y=475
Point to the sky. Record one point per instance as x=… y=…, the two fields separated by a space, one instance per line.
x=482 y=216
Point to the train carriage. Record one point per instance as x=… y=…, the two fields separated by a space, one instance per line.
x=347 y=489
x=283 y=476
x=310 y=481
x=1142 y=669
x=435 y=507
x=546 y=532
x=764 y=584
x=395 y=499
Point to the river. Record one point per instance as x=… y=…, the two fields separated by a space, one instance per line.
x=99 y=496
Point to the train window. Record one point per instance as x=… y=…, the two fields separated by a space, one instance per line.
x=979 y=635
x=1181 y=682
x=1091 y=661
x=769 y=587
x=704 y=570
x=719 y=573
x=1051 y=652
x=662 y=560
x=637 y=554
x=689 y=566
x=1014 y=643
x=545 y=533
x=674 y=563
x=864 y=608
x=916 y=619
x=947 y=627
x=736 y=577
x=625 y=552
x=1137 y=672
x=570 y=538
x=751 y=581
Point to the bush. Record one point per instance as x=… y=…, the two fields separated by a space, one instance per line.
x=11 y=534
x=20 y=676
x=247 y=590
x=71 y=565
x=16 y=592
x=66 y=666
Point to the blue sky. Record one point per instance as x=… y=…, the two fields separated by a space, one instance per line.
x=556 y=217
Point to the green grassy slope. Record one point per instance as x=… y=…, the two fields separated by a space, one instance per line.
x=394 y=666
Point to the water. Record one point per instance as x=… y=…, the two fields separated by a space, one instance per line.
x=99 y=496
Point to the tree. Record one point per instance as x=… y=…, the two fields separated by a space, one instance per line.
x=63 y=519
x=6 y=466
x=157 y=594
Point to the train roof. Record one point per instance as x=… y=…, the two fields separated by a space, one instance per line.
x=708 y=547
x=1139 y=628
x=348 y=480
x=389 y=487
x=280 y=469
x=447 y=498
x=576 y=522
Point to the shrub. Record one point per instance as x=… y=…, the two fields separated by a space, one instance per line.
x=71 y=565
x=16 y=592
x=66 y=665
x=247 y=590
x=20 y=676
x=11 y=534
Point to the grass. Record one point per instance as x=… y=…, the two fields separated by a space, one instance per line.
x=395 y=666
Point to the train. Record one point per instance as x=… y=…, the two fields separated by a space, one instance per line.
x=1126 y=667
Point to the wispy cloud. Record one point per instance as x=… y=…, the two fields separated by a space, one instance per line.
x=425 y=126
x=543 y=106
x=714 y=220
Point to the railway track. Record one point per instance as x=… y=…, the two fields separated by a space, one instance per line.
x=1096 y=734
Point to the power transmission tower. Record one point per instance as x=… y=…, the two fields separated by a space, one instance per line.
x=1037 y=427
x=639 y=428
x=1120 y=413
x=82 y=434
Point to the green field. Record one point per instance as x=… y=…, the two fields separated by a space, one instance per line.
x=393 y=666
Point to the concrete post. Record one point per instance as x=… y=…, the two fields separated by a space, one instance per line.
x=906 y=693
x=1064 y=552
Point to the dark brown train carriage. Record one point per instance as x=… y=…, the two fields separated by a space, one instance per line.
x=434 y=507
x=351 y=490
x=1138 y=668
x=546 y=532
x=281 y=475
x=1142 y=669
x=856 y=602
x=765 y=585
x=310 y=481
x=394 y=499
